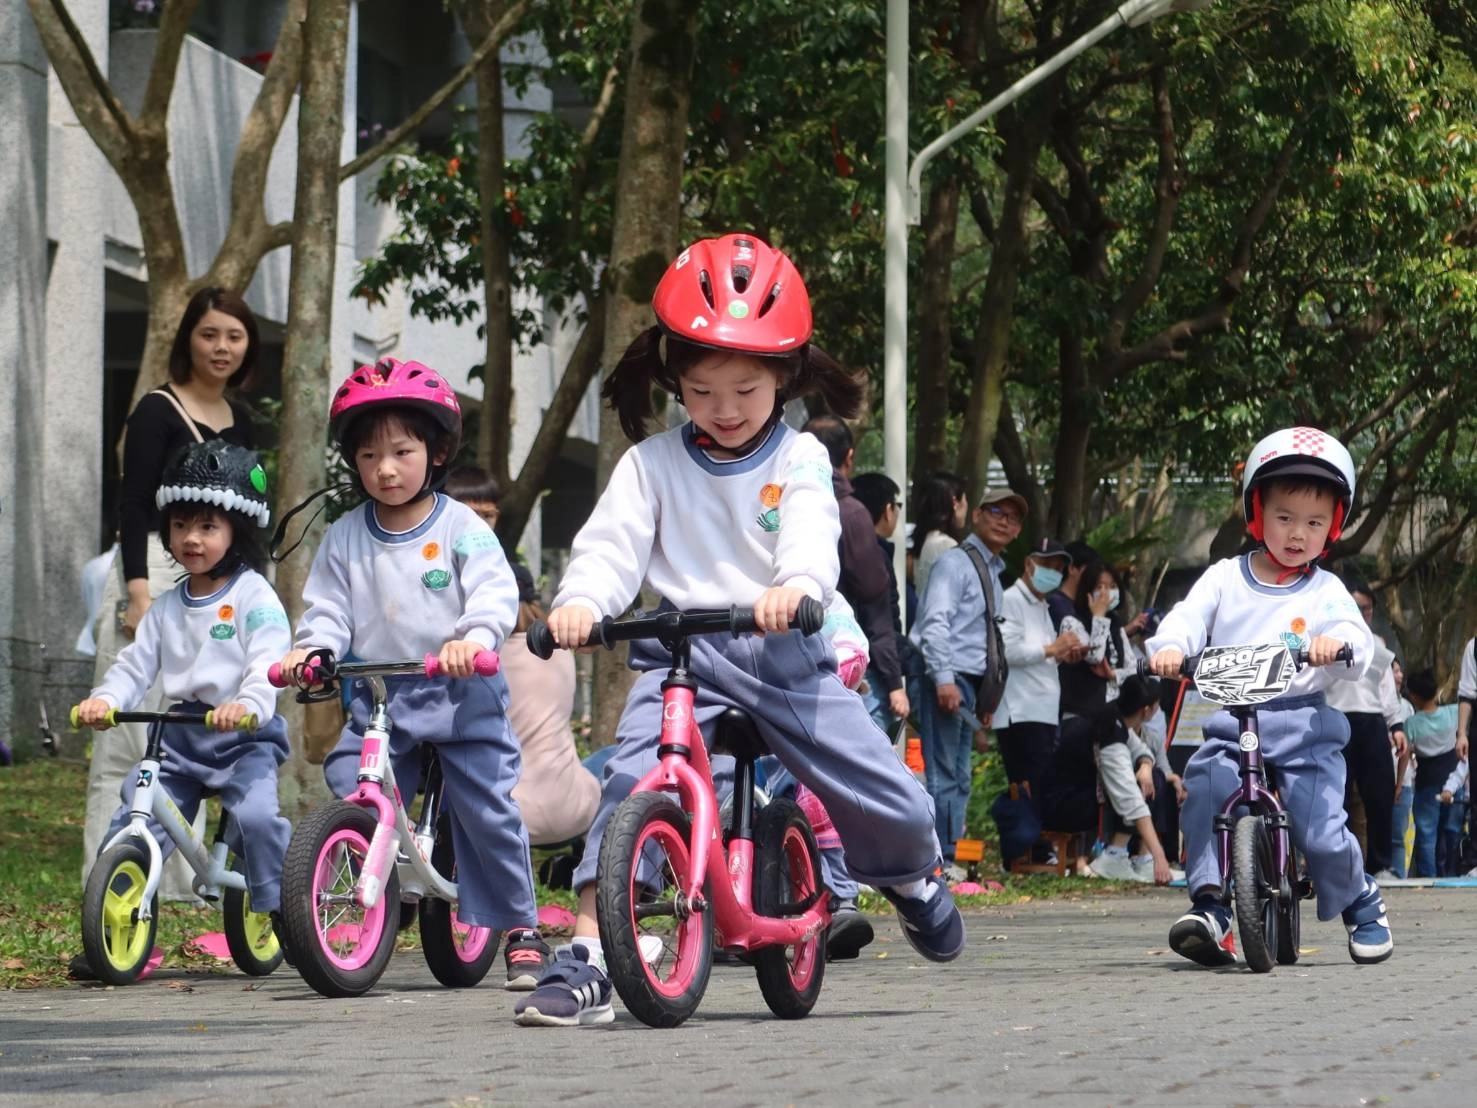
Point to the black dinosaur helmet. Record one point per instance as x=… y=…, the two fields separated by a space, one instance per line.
x=217 y=473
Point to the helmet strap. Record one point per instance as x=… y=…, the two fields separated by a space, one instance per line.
x=704 y=441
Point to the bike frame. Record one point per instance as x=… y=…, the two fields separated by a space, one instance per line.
x=684 y=769
x=1252 y=793
x=152 y=801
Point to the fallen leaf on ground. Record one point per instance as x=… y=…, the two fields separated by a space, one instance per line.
x=180 y=986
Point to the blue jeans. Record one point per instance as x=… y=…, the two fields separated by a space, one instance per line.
x=1428 y=812
x=1399 y=824
x=948 y=747
x=875 y=698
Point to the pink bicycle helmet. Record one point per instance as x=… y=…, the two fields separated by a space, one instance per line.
x=396 y=384
x=734 y=293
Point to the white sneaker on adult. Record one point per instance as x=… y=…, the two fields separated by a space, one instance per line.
x=1114 y=867
x=1387 y=875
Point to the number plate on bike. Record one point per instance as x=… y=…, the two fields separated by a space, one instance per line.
x=1244 y=674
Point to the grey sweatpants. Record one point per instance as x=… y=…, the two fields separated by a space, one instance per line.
x=818 y=728
x=1304 y=739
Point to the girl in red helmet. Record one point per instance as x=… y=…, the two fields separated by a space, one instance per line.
x=732 y=506
x=412 y=572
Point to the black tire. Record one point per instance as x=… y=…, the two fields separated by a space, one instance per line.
x=249 y=935
x=1254 y=870
x=1289 y=915
x=340 y=948
x=633 y=901
x=459 y=955
x=787 y=870
x=117 y=943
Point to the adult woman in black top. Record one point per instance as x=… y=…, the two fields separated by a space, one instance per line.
x=215 y=349
x=1089 y=684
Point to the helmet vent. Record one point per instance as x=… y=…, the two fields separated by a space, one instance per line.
x=741 y=275
x=770 y=298
x=706 y=284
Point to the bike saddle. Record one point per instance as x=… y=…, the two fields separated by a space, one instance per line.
x=737 y=735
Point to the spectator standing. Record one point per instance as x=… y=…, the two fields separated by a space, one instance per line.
x=1432 y=732
x=953 y=634
x=940 y=507
x=478 y=490
x=1376 y=726
x=1062 y=602
x=1029 y=714
x=879 y=495
x=1092 y=682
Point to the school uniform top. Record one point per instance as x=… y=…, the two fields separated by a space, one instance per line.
x=1033 y=690
x=394 y=596
x=708 y=533
x=215 y=649
x=1373 y=694
x=1466 y=689
x=950 y=630
x=1228 y=606
x=1432 y=733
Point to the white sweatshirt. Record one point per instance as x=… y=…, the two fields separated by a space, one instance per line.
x=397 y=596
x=1228 y=606
x=705 y=533
x=215 y=649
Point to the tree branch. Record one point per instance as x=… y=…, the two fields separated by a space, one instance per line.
x=1438 y=540
x=393 y=138
x=172 y=27
x=97 y=106
x=602 y=106
x=1395 y=477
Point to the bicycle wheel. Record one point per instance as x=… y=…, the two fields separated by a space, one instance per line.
x=459 y=954
x=249 y=935
x=1289 y=923
x=116 y=941
x=644 y=862
x=1254 y=870
x=787 y=866
x=340 y=947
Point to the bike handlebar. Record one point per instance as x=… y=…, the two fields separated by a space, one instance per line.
x=321 y=667
x=1299 y=657
x=671 y=626
x=114 y=717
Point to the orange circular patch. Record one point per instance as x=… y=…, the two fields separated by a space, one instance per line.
x=770 y=495
x=430 y=551
x=1299 y=625
x=225 y=611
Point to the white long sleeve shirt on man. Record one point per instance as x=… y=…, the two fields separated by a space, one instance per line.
x=1033 y=691
x=1374 y=693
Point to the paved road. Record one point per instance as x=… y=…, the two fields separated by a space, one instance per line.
x=1054 y=1003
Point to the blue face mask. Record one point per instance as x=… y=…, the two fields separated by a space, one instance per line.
x=1113 y=597
x=1045 y=579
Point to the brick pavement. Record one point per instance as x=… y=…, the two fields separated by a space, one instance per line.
x=1054 y=1003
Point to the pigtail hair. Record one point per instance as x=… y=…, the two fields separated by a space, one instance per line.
x=627 y=390
x=843 y=390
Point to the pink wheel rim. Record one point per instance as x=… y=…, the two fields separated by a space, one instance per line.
x=801 y=878
x=467 y=939
x=682 y=948
x=348 y=934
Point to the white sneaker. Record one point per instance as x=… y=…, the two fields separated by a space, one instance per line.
x=1387 y=875
x=1114 y=867
x=954 y=874
x=1143 y=868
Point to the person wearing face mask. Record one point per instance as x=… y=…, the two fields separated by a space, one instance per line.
x=1092 y=682
x=1028 y=715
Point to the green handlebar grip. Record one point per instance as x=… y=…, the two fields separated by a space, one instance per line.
x=76 y=720
x=111 y=719
x=248 y=721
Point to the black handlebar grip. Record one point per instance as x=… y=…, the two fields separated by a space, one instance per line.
x=540 y=640
x=1345 y=655
x=810 y=616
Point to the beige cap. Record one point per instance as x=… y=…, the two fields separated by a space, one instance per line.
x=999 y=496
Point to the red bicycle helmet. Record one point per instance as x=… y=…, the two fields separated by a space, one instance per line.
x=734 y=293
x=393 y=383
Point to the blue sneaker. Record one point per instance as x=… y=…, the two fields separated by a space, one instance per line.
x=571 y=993
x=1203 y=935
x=1369 y=928
x=933 y=926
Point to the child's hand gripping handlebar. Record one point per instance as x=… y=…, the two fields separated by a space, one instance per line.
x=1300 y=658
x=321 y=668
x=115 y=717
x=674 y=625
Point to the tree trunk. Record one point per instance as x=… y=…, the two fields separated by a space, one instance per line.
x=643 y=240
x=1069 y=474
x=494 y=428
x=306 y=355
x=997 y=306
x=935 y=305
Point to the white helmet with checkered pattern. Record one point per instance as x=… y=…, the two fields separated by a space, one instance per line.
x=1298 y=452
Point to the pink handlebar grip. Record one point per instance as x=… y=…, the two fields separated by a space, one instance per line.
x=486 y=664
x=276 y=677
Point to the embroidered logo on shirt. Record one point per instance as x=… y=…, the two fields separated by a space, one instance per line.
x=768 y=521
x=261 y=617
x=225 y=612
x=435 y=579
x=1294 y=639
x=770 y=495
x=223 y=631
x=431 y=551
x=474 y=541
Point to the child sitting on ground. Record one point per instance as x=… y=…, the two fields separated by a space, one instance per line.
x=1297 y=492
x=210 y=641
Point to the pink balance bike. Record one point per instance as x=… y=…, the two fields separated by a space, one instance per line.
x=356 y=869
x=667 y=869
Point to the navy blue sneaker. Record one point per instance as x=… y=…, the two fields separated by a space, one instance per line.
x=933 y=926
x=1370 y=940
x=1203 y=935
x=571 y=993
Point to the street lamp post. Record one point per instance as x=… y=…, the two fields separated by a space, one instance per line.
x=904 y=189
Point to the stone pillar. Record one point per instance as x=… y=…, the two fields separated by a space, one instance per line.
x=23 y=260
